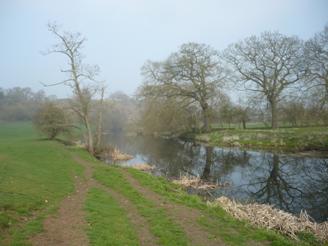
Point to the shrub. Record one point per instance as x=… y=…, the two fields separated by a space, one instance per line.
x=51 y=120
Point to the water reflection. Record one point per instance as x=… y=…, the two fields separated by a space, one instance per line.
x=275 y=181
x=288 y=182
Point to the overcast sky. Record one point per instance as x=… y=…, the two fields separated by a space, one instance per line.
x=123 y=34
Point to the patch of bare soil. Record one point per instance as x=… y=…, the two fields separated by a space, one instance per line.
x=186 y=217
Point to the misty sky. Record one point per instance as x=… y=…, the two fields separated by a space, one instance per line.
x=123 y=34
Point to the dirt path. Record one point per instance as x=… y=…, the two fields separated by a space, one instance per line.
x=186 y=217
x=140 y=224
x=67 y=227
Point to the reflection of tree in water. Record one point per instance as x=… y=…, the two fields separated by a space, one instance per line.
x=316 y=189
x=226 y=161
x=274 y=184
x=292 y=184
x=221 y=162
x=170 y=157
x=208 y=163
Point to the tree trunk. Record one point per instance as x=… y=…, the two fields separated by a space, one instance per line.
x=90 y=137
x=100 y=119
x=244 y=123
x=274 y=116
x=208 y=164
x=99 y=130
x=206 y=123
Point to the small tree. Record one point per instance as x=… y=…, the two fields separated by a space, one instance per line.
x=51 y=120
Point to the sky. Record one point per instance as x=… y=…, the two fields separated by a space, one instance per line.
x=123 y=34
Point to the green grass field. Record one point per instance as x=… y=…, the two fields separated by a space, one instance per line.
x=282 y=139
x=37 y=174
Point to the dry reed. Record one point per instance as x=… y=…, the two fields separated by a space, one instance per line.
x=266 y=216
x=196 y=183
x=116 y=155
x=143 y=167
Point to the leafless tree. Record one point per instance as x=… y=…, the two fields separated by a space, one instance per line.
x=100 y=117
x=193 y=75
x=269 y=64
x=316 y=54
x=79 y=76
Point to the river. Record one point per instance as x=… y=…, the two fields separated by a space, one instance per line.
x=289 y=182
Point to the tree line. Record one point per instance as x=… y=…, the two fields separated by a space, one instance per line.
x=20 y=104
x=277 y=78
x=279 y=74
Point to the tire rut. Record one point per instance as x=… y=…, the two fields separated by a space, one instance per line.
x=186 y=217
x=140 y=224
x=68 y=226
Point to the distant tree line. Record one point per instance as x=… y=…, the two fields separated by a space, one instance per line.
x=283 y=78
x=278 y=79
x=20 y=104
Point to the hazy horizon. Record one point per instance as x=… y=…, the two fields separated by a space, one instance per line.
x=122 y=35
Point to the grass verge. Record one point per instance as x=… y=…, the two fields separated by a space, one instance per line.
x=216 y=220
x=34 y=176
x=282 y=139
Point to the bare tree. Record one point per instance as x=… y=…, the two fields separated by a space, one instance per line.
x=100 y=117
x=316 y=54
x=269 y=65
x=79 y=75
x=192 y=75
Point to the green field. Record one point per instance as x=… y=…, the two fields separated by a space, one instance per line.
x=122 y=206
x=35 y=175
x=282 y=139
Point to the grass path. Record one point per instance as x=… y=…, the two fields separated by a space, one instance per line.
x=186 y=217
x=67 y=227
x=139 y=223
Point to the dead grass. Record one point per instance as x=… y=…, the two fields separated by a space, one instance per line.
x=265 y=216
x=196 y=183
x=143 y=167
x=113 y=154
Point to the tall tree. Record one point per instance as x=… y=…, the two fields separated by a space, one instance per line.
x=316 y=54
x=79 y=76
x=100 y=117
x=192 y=75
x=269 y=64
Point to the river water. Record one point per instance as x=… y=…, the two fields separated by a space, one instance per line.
x=289 y=182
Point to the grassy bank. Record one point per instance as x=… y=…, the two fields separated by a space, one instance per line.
x=122 y=206
x=35 y=175
x=282 y=139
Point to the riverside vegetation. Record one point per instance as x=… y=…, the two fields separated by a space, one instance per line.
x=296 y=139
x=115 y=205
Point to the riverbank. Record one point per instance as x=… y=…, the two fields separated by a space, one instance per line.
x=56 y=194
x=307 y=139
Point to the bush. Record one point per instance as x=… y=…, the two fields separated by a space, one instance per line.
x=51 y=120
